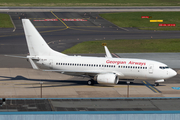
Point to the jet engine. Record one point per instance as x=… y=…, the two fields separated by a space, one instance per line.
x=108 y=78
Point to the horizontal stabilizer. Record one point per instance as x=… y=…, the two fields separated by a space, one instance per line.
x=15 y=56
x=34 y=66
x=29 y=58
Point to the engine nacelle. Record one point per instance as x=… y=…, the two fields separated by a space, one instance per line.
x=162 y=80
x=108 y=78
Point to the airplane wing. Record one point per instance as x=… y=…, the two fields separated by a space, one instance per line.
x=86 y=72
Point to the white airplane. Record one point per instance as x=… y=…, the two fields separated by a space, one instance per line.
x=105 y=70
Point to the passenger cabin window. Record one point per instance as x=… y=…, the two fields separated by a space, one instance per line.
x=110 y=66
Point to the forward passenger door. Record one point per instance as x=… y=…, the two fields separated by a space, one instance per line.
x=151 y=67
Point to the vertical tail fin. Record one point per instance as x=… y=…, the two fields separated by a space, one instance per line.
x=36 y=44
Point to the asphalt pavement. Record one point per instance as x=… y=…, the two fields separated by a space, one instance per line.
x=61 y=35
x=91 y=9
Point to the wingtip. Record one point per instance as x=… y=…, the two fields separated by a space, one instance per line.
x=104 y=44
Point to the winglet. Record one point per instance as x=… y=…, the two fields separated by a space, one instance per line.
x=108 y=54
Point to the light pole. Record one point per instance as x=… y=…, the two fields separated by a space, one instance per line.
x=128 y=82
x=41 y=88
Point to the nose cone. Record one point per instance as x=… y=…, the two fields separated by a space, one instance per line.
x=172 y=73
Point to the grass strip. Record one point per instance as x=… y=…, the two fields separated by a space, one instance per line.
x=89 y=3
x=133 y=19
x=127 y=46
x=5 y=21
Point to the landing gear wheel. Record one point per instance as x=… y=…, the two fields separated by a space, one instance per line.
x=90 y=82
x=156 y=84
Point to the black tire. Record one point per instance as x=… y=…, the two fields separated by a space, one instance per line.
x=156 y=84
x=90 y=82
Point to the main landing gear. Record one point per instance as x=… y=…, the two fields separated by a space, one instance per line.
x=90 y=82
x=156 y=84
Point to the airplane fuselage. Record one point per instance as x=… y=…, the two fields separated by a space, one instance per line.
x=125 y=68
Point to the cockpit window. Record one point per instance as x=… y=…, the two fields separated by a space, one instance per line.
x=163 y=67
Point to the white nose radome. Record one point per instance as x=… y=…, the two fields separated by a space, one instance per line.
x=172 y=73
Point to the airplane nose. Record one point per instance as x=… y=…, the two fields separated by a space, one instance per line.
x=172 y=73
